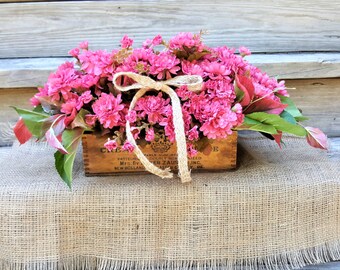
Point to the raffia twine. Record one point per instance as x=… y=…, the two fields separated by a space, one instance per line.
x=145 y=84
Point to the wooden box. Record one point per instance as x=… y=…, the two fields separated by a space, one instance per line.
x=216 y=156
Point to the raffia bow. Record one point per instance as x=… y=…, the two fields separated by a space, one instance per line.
x=145 y=84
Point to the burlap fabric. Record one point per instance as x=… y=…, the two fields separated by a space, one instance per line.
x=279 y=210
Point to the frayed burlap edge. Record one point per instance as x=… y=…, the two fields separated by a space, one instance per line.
x=293 y=260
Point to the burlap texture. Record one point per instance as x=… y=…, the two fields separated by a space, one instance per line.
x=279 y=210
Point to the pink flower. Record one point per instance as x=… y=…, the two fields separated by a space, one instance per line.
x=191 y=150
x=131 y=116
x=128 y=147
x=211 y=112
x=215 y=115
x=97 y=63
x=221 y=89
x=107 y=108
x=216 y=71
x=43 y=92
x=187 y=40
x=138 y=57
x=135 y=132
x=193 y=134
x=90 y=119
x=69 y=106
x=74 y=52
x=147 y=43
x=85 y=98
x=169 y=129
x=192 y=68
x=150 y=135
x=163 y=65
x=237 y=108
x=154 y=107
x=34 y=101
x=244 y=51
x=157 y=40
x=229 y=59
x=111 y=145
x=219 y=122
x=61 y=82
x=184 y=93
x=84 y=45
x=86 y=81
x=126 y=42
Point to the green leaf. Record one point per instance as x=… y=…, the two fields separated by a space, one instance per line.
x=278 y=123
x=71 y=139
x=292 y=109
x=197 y=55
x=251 y=124
x=39 y=109
x=33 y=120
x=79 y=120
x=288 y=117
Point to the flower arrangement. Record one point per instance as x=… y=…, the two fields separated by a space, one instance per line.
x=233 y=95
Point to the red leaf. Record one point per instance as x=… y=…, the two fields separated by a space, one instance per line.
x=316 y=138
x=21 y=131
x=277 y=137
x=54 y=142
x=70 y=118
x=53 y=134
x=246 y=85
x=267 y=105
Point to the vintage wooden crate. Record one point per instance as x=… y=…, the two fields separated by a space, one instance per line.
x=220 y=155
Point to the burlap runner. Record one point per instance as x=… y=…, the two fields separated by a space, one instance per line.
x=280 y=209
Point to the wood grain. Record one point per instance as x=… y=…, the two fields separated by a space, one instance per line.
x=162 y=153
x=8 y=117
x=21 y=1
x=325 y=266
x=32 y=72
x=50 y=29
x=319 y=100
x=298 y=65
x=27 y=72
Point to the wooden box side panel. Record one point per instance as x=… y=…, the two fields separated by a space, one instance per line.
x=98 y=161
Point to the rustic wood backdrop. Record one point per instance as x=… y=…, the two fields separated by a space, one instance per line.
x=294 y=40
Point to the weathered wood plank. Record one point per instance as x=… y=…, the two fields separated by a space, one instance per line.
x=8 y=117
x=334 y=150
x=98 y=161
x=21 y=1
x=319 y=100
x=298 y=65
x=51 y=29
x=325 y=266
x=15 y=73
x=31 y=72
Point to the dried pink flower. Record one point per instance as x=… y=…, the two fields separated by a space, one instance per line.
x=111 y=145
x=128 y=147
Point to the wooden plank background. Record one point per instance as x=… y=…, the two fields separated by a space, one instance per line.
x=45 y=30
x=290 y=39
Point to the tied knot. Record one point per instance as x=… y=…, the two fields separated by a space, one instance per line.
x=158 y=86
x=145 y=84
